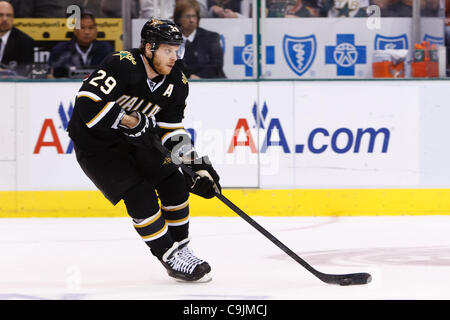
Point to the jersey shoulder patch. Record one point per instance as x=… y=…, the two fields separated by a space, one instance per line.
x=126 y=55
x=183 y=78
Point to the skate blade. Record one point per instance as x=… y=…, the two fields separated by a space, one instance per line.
x=206 y=278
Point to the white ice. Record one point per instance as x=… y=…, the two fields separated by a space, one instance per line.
x=104 y=258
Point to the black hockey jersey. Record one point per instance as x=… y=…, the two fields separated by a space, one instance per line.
x=121 y=83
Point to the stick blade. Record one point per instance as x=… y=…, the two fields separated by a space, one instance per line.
x=347 y=279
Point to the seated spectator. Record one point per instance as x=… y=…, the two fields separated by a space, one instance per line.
x=110 y=8
x=403 y=8
x=345 y=8
x=276 y=8
x=58 y=9
x=82 y=52
x=163 y=9
x=43 y=8
x=203 y=57
x=227 y=9
x=429 y=8
x=398 y=8
x=304 y=9
x=382 y=4
x=16 y=47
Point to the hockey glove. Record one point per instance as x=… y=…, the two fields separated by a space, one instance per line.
x=206 y=184
x=201 y=186
x=143 y=134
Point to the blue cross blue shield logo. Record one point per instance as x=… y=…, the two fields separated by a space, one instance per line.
x=385 y=42
x=299 y=52
x=433 y=40
x=345 y=54
x=243 y=55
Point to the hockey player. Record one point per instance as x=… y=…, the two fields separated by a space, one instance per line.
x=133 y=100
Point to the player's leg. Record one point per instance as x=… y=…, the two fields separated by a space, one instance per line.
x=173 y=193
x=142 y=205
x=114 y=173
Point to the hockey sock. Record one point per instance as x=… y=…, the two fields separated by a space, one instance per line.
x=177 y=219
x=174 y=197
x=154 y=231
x=142 y=205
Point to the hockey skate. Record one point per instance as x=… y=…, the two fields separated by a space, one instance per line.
x=183 y=265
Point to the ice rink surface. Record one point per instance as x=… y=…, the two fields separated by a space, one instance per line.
x=104 y=258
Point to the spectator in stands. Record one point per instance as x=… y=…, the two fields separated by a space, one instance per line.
x=43 y=8
x=82 y=52
x=384 y=6
x=203 y=56
x=110 y=8
x=346 y=8
x=398 y=8
x=276 y=8
x=304 y=9
x=58 y=9
x=228 y=9
x=164 y=9
x=16 y=47
x=403 y=8
x=430 y=8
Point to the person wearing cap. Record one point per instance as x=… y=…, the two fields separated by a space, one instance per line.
x=133 y=102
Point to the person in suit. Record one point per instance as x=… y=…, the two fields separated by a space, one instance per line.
x=164 y=8
x=203 y=56
x=16 y=47
x=82 y=52
x=228 y=9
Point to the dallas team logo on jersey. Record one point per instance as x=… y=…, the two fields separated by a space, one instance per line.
x=299 y=52
x=125 y=55
x=166 y=161
x=183 y=78
x=385 y=42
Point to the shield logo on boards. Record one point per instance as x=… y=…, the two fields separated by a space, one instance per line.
x=433 y=40
x=299 y=52
x=384 y=42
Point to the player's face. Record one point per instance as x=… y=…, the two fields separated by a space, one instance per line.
x=165 y=57
x=87 y=32
x=6 y=17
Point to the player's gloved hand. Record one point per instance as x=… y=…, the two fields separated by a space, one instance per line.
x=201 y=186
x=143 y=134
x=206 y=183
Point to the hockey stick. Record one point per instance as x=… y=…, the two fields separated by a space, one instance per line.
x=341 y=279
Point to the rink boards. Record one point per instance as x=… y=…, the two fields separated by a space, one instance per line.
x=281 y=148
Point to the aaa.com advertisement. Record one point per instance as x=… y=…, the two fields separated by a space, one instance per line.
x=270 y=134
